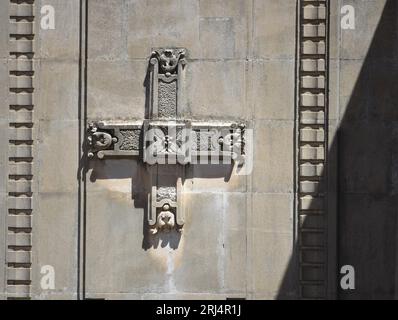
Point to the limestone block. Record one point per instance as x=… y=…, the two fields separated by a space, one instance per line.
x=365 y=167
x=334 y=87
x=202 y=265
x=274 y=29
x=235 y=256
x=356 y=43
x=107 y=30
x=4 y=89
x=272 y=212
x=3 y=208
x=273 y=157
x=61 y=43
x=215 y=16
x=270 y=263
x=215 y=177
x=217 y=38
x=334 y=29
x=57 y=153
x=4 y=36
x=118 y=86
x=273 y=89
x=372 y=250
x=54 y=228
x=217 y=89
x=132 y=263
x=57 y=90
x=161 y=24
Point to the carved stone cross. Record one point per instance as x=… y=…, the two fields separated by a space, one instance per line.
x=168 y=140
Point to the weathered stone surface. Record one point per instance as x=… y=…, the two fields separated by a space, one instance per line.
x=57 y=86
x=217 y=89
x=273 y=142
x=117 y=86
x=273 y=90
x=167 y=23
x=266 y=276
x=273 y=25
x=54 y=242
x=60 y=174
x=241 y=233
x=61 y=43
x=107 y=31
x=355 y=44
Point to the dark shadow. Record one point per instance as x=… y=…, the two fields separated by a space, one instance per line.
x=366 y=150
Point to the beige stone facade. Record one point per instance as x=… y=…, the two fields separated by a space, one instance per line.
x=317 y=101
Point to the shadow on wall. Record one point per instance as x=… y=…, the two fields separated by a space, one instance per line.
x=366 y=148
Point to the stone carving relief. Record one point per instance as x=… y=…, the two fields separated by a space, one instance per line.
x=166 y=142
x=168 y=59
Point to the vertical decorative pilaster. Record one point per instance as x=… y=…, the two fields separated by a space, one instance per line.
x=20 y=150
x=312 y=150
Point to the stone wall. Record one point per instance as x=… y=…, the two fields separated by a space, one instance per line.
x=85 y=219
